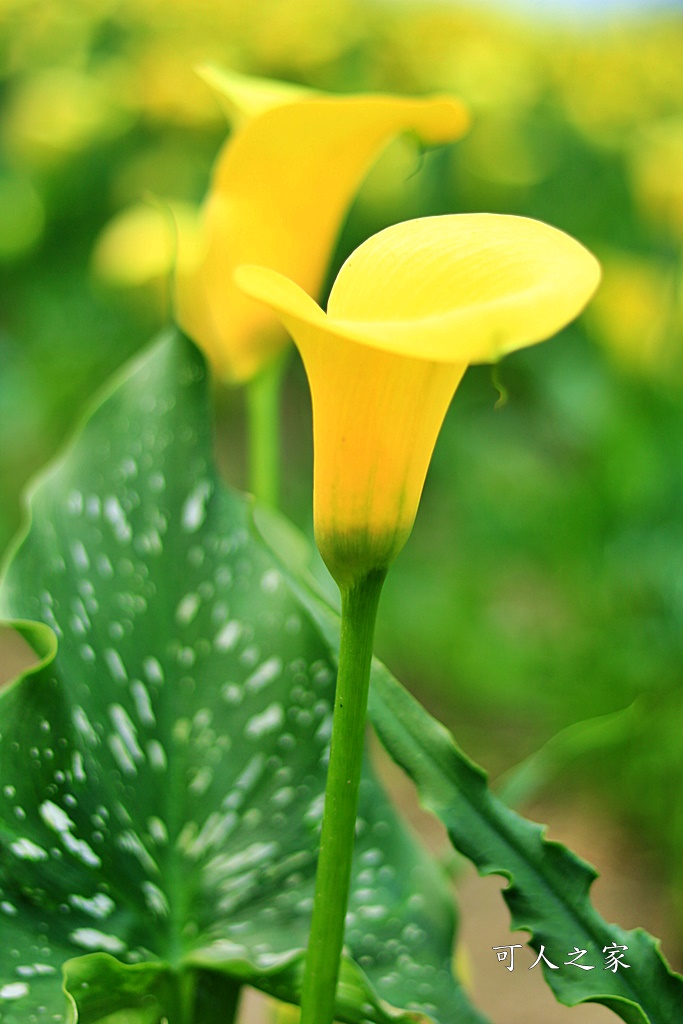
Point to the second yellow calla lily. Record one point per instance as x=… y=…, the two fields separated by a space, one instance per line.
x=411 y=308
x=281 y=187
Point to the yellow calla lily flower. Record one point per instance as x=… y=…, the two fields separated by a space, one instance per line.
x=280 y=190
x=411 y=308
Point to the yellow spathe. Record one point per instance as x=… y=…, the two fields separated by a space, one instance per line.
x=281 y=187
x=411 y=308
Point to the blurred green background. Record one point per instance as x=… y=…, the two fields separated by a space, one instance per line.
x=543 y=585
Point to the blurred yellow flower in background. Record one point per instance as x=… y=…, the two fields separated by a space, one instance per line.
x=136 y=247
x=280 y=191
x=633 y=318
x=411 y=308
x=656 y=164
x=58 y=112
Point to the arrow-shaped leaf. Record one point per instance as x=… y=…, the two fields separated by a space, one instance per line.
x=162 y=770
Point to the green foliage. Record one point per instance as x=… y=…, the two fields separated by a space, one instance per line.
x=549 y=886
x=548 y=894
x=162 y=768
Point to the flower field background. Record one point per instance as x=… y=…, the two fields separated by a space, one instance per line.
x=539 y=606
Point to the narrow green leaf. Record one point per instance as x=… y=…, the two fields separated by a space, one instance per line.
x=162 y=768
x=524 y=781
x=548 y=894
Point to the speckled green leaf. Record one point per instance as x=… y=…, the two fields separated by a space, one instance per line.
x=548 y=894
x=162 y=770
x=145 y=992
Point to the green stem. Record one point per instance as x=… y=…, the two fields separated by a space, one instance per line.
x=263 y=414
x=359 y=612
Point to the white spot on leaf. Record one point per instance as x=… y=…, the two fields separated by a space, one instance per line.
x=268 y=721
x=25 y=849
x=264 y=674
x=157 y=831
x=132 y=843
x=78 y=769
x=115 y=665
x=187 y=609
x=80 y=556
x=153 y=670
x=143 y=703
x=194 y=509
x=91 y=938
x=121 y=755
x=116 y=518
x=31 y=970
x=270 y=581
x=15 y=990
x=99 y=906
x=156 y=899
x=126 y=730
x=54 y=817
x=202 y=780
x=60 y=822
x=156 y=755
x=227 y=636
x=82 y=723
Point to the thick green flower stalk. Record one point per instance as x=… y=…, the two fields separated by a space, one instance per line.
x=409 y=311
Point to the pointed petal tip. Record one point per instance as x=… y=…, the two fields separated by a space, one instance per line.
x=283 y=295
x=246 y=95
